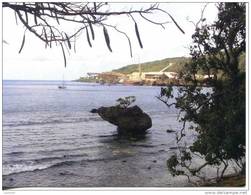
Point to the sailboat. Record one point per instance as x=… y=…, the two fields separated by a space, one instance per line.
x=63 y=86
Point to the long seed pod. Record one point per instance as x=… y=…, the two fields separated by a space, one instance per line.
x=56 y=15
x=63 y=54
x=53 y=37
x=138 y=36
x=16 y=17
x=42 y=8
x=68 y=41
x=35 y=17
x=26 y=14
x=92 y=31
x=50 y=9
x=88 y=37
x=46 y=38
x=176 y=23
x=107 y=39
x=95 y=7
x=22 y=45
x=36 y=12
x=75 y=40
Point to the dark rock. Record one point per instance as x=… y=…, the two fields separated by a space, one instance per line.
x=149 y=168
x=94 y=110
x=65 y=173
x=154 y=161
x=130 y=121
x=124 y=161
x=170 y=131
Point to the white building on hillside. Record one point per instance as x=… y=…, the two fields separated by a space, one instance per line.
x=153 y=76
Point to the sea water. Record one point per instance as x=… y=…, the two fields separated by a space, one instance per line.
x=50 y=134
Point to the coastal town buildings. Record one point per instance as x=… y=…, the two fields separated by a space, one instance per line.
x=161 y=77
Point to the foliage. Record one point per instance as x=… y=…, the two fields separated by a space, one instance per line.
x=48 y=21
x=217 y=113
x=154 y=66
x=126 y=101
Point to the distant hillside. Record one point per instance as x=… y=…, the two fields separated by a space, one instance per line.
x=178 y=64
x=154 y=66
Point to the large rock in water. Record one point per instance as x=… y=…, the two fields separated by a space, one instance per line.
x=130 y=121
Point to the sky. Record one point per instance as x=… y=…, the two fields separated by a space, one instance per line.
x=37 y=63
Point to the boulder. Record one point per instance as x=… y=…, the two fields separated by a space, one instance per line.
x=94 y=110
x=130 y=120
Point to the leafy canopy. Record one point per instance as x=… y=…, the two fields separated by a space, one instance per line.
x=216 y=113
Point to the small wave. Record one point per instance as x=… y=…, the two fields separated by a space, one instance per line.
x=67 y=163
x=45 y=159
x=19 y=168
x=143 y=145
x=31 y=166
x=14 y=153
x=56 y=121
x=24 y=165
x=103 y=136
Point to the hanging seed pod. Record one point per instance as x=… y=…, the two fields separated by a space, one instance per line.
x=107 y=39
x=53 y=35
x=88 y=37
x=95 y=7
x=56 y=15
x=176 y=23
x=16 y=17
x=63 y=54
x=50 y=9
x=68 y=41
x=92 y=31
x=42 y=7
x=26 y=14
x=35 y=17
x=137 y=34
x=45 y=35
x=74 y=47
x=22 y=45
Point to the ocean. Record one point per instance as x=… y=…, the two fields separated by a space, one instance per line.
x=50 y=138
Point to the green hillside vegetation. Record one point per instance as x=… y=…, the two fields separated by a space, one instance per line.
x=178 y=65
x=155 y=66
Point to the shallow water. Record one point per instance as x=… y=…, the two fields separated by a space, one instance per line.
x=50 y=139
